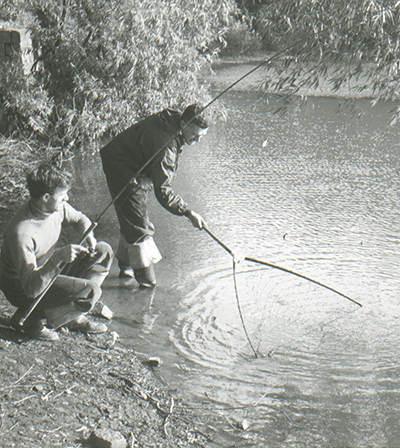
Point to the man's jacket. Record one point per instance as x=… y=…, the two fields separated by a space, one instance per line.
x=157 y=136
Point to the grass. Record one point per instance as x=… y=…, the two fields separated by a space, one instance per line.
x=17 y=157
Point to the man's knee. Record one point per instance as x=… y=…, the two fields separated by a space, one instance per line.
x=88 y=297
x=104 y=254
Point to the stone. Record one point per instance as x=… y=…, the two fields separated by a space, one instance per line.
x=106 y=438
x=245 y=424
x=5 y=36
x=12 y=50
x=15 y=37
x=154 y=361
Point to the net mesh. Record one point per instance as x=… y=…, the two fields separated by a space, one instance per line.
x=284 y=311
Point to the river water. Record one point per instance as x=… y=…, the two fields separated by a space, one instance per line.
x=317 y=192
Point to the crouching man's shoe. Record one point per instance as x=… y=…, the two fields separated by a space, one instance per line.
x=101 y=310
x=83 y=324
x=47 y=334
x=34 y=326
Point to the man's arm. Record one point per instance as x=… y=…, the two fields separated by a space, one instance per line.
x=196 y=219
x=34 y=279
x=81 y=223
x=162 y=176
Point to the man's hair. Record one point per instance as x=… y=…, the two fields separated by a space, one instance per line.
x=192 y=114
x=46 y=178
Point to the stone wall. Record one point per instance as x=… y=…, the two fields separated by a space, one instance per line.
x=16 y=43
x=10 y=44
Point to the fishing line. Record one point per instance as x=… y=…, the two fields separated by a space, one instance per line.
x=133 y=179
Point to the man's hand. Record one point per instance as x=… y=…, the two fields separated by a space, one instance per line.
x=196 y=220
x=67 y=254
x=91 y=241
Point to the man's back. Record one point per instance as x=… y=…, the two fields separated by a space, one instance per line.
x=142 y=140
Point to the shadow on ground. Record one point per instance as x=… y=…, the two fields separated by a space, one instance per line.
x=7 y=333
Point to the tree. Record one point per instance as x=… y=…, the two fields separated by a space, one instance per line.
x=103 y=64
x=353 y=44
x=7 y=8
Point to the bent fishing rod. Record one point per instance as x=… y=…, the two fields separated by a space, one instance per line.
x=133 y=180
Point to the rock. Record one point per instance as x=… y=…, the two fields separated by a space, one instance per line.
x=245 y=424
x=154 y=361
x=106 y=438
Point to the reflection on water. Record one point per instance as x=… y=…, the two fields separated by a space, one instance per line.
x=315 y=191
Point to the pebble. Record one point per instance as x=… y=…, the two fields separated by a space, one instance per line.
x=106 y=438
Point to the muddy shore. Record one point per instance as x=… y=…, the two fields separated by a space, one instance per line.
x=91 y=391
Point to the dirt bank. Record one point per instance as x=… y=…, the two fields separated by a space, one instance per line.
x=58 y=394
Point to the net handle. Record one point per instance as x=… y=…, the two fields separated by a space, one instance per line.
x=265 y=263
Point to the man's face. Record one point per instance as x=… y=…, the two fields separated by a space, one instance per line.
x=53 y=201
x=193 y=133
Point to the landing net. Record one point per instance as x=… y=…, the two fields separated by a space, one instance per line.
x=281 y=310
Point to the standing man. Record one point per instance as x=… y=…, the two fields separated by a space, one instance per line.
x=159 y=139
x=30 y=260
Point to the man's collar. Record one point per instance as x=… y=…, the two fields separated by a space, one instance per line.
x=38 y=212
x=172 y=121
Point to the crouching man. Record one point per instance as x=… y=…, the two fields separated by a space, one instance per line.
x=31 y=257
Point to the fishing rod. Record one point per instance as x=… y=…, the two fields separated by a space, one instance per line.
x=63 y=267
x=264 y=62
x=133 y=179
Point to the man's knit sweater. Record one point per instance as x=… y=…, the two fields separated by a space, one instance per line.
x=29 y=243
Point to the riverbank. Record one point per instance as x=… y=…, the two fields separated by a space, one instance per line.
x=85 y=391
x=227 y=71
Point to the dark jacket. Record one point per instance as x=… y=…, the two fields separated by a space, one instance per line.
x=157 y=136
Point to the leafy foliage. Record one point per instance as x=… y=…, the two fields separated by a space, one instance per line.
x=241 y=41
x=101 y=65
x=7 y=10
x=355 y=45
x=25 y=105
x=17 y=156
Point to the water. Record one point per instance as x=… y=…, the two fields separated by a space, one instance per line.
x=315 y=191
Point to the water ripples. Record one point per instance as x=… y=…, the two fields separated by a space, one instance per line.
x=318 y=194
